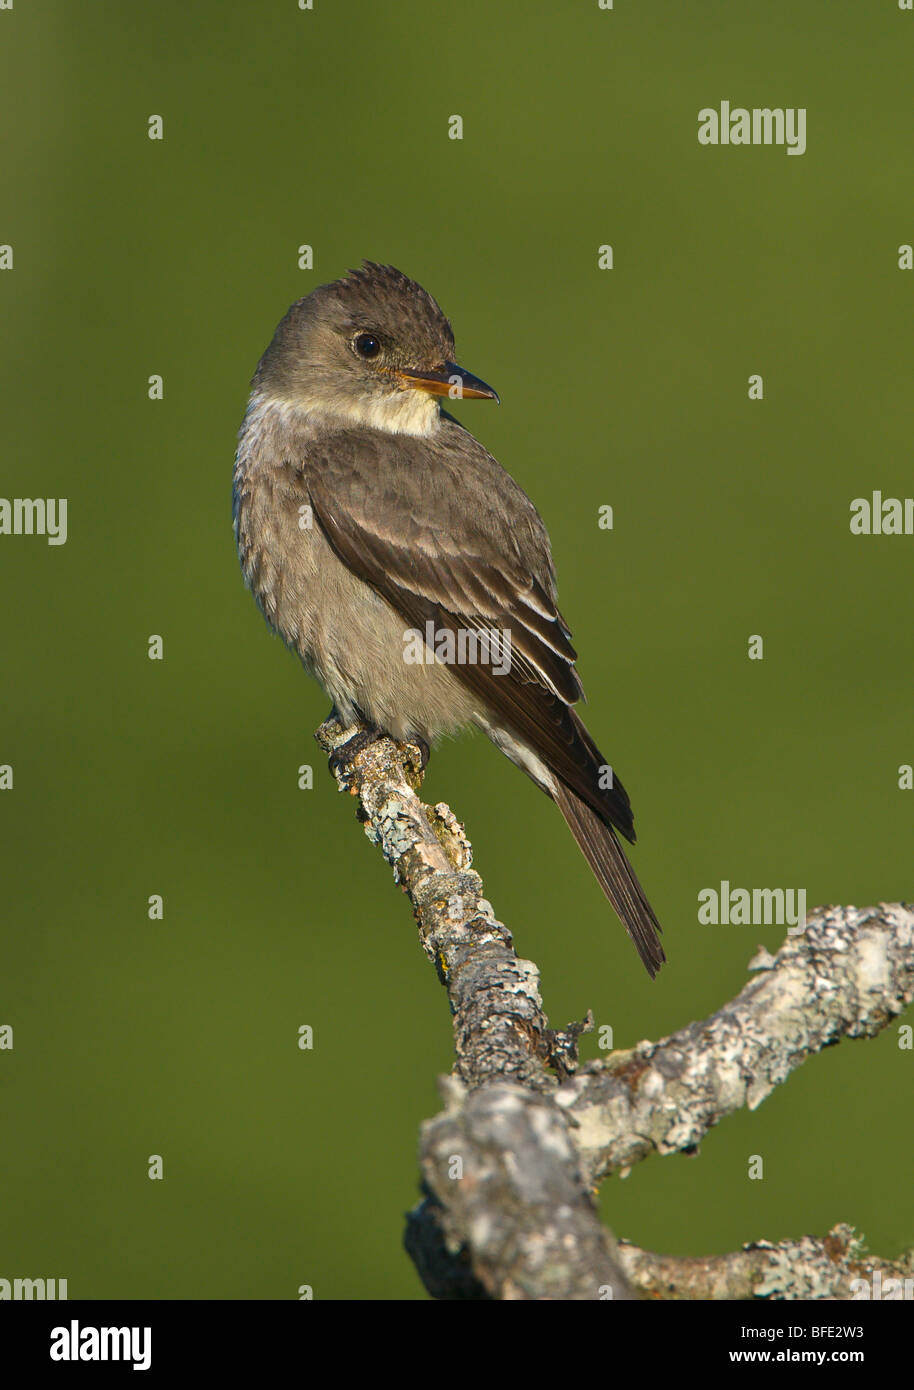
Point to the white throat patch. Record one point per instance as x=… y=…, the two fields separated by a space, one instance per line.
x=405 y=412
x=402 y=412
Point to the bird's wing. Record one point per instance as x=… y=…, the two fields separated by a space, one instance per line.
x=439 y=529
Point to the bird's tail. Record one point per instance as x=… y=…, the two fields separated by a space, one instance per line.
x=614 y=874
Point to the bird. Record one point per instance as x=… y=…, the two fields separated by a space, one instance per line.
x=366 y=515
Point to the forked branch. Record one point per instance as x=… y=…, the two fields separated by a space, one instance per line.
x=510 y=1165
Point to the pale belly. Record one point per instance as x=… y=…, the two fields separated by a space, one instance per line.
x=361 y=651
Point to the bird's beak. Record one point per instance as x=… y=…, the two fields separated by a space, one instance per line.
x=451 y=381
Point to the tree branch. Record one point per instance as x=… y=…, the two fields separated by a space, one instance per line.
x=847 y=975
x=500 y=1164
x=837 y=1267
x=509 y=1166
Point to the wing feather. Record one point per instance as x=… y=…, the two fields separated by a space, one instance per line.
x=451 y=539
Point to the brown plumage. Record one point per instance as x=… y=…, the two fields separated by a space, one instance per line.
x=363 y=511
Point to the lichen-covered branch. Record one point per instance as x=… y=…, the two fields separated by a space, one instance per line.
x=847 y=975
x=506 y=1194
x=500 y=1029
x=510 y=1165
x=837 y=1267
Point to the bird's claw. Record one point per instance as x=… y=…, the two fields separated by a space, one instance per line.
x=340 y=760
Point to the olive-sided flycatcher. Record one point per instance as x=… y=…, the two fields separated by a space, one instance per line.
x=368 y=519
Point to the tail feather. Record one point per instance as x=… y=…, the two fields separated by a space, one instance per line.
x=615 y=875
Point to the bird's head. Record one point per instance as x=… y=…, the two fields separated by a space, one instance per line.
x=372 y=349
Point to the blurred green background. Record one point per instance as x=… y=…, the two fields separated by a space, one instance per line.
x=628 y=387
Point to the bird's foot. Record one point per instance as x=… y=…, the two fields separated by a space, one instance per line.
x=340 y=760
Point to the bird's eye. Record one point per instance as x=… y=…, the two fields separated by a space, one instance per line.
x=367 y=345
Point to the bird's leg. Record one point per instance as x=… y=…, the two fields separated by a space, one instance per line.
x=341 y=758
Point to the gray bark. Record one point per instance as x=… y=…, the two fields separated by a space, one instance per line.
x=509 y=1167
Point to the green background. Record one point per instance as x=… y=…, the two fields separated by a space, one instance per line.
x=628 y=387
